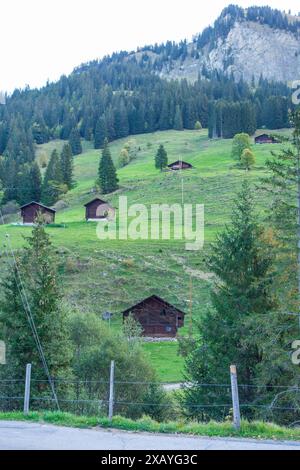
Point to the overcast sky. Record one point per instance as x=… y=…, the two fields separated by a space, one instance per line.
x=43 y=39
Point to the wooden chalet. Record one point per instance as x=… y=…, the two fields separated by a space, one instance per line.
x=158 y=318
x=180 y=165
x=97 y=209
x=29 y=213
x=266 y=139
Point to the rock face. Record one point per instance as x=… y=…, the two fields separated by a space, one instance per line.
x=256 y=49
x=250 y=49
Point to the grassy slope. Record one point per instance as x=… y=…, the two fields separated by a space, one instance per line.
x=255 y=430
x=112 y=275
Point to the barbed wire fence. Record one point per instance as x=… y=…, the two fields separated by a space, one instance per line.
x=113 y=396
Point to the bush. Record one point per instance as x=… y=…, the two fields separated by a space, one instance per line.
x=95 y=346
x=248 y=159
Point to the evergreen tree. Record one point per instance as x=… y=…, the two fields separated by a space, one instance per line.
x=36 y=182
x=37 y=268
x=242 y=262
x=108 y=179
x=100 y=133
x=178 y=123
x=66 y=160
x=53 y=187
x=75 y=142
x=161 y=158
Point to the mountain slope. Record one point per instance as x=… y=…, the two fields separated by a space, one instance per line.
x=110 y=275
x=249 y=50
x=243 y=42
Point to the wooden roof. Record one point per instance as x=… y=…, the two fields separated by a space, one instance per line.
x=153 y=297
x=94 y=200
x=179 y=162
x=38 y=204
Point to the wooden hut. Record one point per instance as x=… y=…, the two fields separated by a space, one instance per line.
x=29 y=213
x=158 y=318
x=266 y=139
x=180 y=165
x=97 y=209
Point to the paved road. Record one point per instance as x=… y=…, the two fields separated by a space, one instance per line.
x=31 y=436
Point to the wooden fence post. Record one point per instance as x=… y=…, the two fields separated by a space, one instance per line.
x=235 y=398
x=27 y=389
x=111 y=391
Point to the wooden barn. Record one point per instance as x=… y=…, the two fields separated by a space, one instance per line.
x=180 y=165
x=158 y=318
x=97 y=209
x=266 y=139
x=29 y=213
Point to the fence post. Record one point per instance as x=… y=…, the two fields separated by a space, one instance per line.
x=235 y=398
x=111 y=391
x=27 y=389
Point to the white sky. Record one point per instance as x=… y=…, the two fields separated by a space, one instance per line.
x=43 y=39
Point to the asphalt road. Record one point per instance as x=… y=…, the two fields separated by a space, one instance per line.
x=31 y=436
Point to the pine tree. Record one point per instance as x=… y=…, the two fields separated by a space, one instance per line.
x=161 y=158
x=37 y=268
x=178 y=123
x=75 y=142
x=108 y=179
x=242 y=262
x=36 y=183
x=66 y=160
x=53 y=187
x=100 y=133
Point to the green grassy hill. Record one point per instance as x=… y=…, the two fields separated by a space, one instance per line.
x=112 y=275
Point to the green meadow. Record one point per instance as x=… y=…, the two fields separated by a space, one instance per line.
x=111 y=275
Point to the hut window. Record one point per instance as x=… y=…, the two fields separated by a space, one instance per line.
x=163 y=313
x=168 y=329
x=179 y=318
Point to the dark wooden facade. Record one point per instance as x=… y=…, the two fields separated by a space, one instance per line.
x=97 y=209
x=29 y=213
x=265 y=139
x=158 y=318
x=180 y=165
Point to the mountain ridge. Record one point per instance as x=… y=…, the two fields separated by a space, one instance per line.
x=233 y=46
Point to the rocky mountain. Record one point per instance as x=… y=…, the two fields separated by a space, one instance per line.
x=246 y=43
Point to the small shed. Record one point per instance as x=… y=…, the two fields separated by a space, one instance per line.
x=97 y=209
x=29 y=213
x=158 y=318
x=266 y=139
x=180 y=165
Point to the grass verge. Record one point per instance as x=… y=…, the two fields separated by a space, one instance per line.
x=254 y=430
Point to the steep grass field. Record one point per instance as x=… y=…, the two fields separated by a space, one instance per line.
x=111 y=275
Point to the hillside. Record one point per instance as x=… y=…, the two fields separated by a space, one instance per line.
x=110 y=275
x=227 y=80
